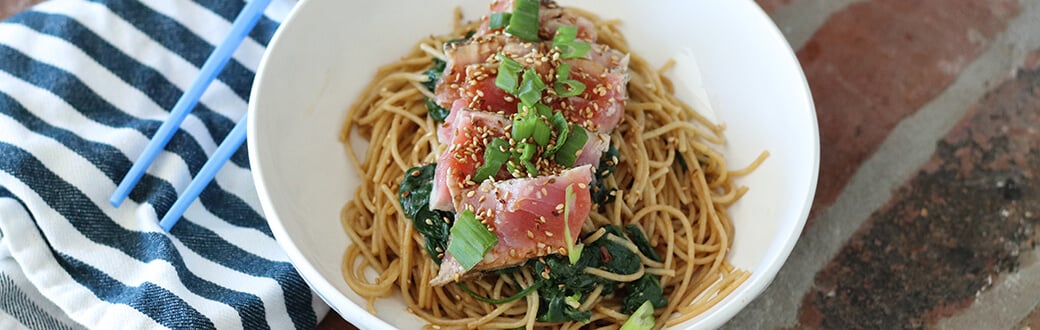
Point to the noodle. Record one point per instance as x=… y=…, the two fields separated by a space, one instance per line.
x=680 y=210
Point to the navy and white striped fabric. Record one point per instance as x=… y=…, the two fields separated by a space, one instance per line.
x=83 y=86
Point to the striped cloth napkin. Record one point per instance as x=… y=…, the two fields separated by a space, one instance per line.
x=83 y=86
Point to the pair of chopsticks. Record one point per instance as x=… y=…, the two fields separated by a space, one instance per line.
x=244 y=22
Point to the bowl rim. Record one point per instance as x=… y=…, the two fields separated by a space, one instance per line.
x=779 y=250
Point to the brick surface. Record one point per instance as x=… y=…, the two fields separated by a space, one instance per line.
x=874 y=63
x=10 y=7
x=770 y=5
x=1032 y=321
x=951 y=230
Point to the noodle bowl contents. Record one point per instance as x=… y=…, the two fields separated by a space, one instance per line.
x=528 y=170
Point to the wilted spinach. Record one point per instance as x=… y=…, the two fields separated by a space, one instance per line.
x=643 y=289
x=414 y=196
x=562 y=286
x=600 y=193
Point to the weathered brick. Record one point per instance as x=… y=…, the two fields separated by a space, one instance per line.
x=950 y=230
x=770 y=5
x=10 y=7
x=874 y=63
x=1032 y=321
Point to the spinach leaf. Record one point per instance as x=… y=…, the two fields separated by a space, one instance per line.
x=434 y=73
x=566 y=280
x=432 y=225
x=617 y=258
x=553 y=306
x=436 y=111
x=635 y=234
x=414 y=192
x=601 y=194
x=414 y=196
x=646 y=288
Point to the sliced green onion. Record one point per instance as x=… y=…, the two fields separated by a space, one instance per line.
x=510 y=167
x=564 y=86
x=559 y=123
x=531 y=88
x=573 y=250
x=573 y=300
x=527 y=157
x=470 y=240
x=508 y=70
x=542 y=132
x=524 y=22
x=641 y=319
x=568 y=153
x=543 y=110
x=568 y=47
x=498 y=20
x=523 y=127
x=494 y=158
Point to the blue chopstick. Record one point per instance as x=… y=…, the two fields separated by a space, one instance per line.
x=206 y=174
x=244 y=22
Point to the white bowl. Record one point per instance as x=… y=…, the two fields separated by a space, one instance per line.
x=328 y=50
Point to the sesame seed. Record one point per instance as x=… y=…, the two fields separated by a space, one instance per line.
x=530 y=234
x=548 y=233
x=429 y=222
x=559 y=206
x=416 y=173
x=471 y=193
x=582 y=186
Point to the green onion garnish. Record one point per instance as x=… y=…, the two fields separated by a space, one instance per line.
x=531 y=88
x=508 y=70
x=495 y=156
x=470 y=240
x=559 y=123
x=542 y=132
x=641 y=319
x=524 y=22
x=543 y=110
x=526 y=158
x=523 y=125
x=498 y=20
x=573 y=250
x=569 y=48
x=568 y=153
x=564 y=86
